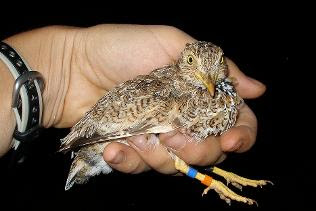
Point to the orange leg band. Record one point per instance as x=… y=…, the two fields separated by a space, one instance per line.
x=207 y=180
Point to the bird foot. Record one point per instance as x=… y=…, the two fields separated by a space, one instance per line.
x=239 y=181
x=226 y=194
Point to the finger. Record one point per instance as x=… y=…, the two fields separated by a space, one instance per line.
x=221 y=158
x=246 y=87
x=154 y=154
x=203 y=153
x=123 y=158
x=242 y=136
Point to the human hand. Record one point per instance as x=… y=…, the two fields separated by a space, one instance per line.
x=80 y=65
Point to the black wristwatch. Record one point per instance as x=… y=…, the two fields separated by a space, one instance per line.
x=27 y=101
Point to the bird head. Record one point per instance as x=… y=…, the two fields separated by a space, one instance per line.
x=202 y=64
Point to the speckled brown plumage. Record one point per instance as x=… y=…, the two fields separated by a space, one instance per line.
x=193 y=95
x=170 y=97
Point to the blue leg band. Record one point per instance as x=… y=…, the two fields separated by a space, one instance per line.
x=192 y=172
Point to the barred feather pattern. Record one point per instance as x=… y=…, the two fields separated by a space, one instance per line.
x=169 y=98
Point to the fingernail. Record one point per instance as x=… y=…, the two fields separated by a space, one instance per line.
x=254 y=81
x=175 y=143
x=139 y=141
x=118 y=158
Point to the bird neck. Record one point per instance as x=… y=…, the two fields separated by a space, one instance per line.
x=226 y=88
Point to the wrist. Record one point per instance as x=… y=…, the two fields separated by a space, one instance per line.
x=7 y=119
x=47 y=50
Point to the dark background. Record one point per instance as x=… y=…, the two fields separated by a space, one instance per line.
x=261 y=39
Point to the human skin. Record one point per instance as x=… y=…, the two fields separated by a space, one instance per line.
x=80 y=64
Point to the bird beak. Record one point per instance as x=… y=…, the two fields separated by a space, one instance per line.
x=207 y=82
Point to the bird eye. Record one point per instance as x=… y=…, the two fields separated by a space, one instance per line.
x=222 y=59
x=190 y=59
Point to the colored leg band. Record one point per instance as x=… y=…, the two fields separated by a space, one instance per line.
x=207 y=180
x=192 y=172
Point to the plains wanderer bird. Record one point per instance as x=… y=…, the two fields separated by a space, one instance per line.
x=194 y=95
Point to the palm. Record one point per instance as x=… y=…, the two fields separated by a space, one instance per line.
x=110 y=59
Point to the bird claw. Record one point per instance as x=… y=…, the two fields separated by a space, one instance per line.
x=237 y=185
x=239 y=181
x=226 y=194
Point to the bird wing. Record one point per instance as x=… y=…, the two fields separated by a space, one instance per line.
x=143 y=105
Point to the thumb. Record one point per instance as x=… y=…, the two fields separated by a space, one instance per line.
x=246 y=87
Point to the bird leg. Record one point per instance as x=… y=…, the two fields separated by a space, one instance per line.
x=238 y=181
x=224 y=192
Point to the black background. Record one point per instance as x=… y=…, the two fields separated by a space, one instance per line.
x=261 y=40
